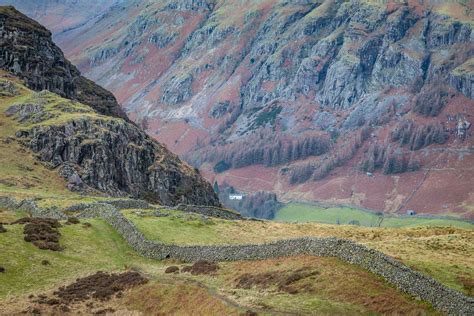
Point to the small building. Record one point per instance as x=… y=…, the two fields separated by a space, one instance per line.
x=236 y=197
x=411 y=213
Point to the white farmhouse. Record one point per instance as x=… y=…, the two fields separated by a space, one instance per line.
x=236 y=197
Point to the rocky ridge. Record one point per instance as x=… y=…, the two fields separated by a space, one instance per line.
x=27 y=50
x=92 y=147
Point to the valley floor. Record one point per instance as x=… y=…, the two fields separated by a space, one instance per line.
x=340 y=215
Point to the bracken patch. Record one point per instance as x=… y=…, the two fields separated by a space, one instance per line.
x=201 y=267
x=41 y=232
x=172 y=269
x=101 y=286
x=284 y=281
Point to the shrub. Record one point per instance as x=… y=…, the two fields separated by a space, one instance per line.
x=221 y=166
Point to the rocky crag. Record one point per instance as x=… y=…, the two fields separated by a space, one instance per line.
x=302 y=98
x=27 y=50
x=91 y=146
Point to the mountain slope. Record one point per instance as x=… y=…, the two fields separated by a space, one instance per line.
x=302 y=98
x=55 y=15
x=28 y=52
x=93 y=152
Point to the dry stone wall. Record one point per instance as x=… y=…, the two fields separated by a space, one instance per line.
x=396 y=273
x=119 y=204
x=30 y=207
x=211 y=211
x=402 y=277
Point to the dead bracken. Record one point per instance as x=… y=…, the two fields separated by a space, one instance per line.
x=41 y=232
x=101 y=286
x=172 y=269
x=284 y=281
x=201 y=267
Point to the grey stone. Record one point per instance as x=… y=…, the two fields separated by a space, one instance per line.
x=118 y=158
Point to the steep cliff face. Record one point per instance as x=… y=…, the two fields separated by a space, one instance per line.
x=296 y=93
x=96 y=153
x=26 y=49
x=90 y=146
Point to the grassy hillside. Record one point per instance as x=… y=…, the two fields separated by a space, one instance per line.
x=21 y=174
x=87 y=249
x=442 y=252
x=329 y=287
x=301 y=213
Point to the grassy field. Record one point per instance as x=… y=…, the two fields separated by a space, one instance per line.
x=300 y=212
x=442 y=252
x=333 y=287
x=86 y=250
x=329 y=290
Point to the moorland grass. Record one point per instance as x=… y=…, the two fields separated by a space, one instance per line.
x=444 y=253
x=87 y=250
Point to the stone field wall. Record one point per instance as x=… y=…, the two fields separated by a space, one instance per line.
x=394 y=272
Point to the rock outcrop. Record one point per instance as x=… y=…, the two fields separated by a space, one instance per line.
x=91 y=144
x=117 y=158
x=27 y=50
x=100 y=153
